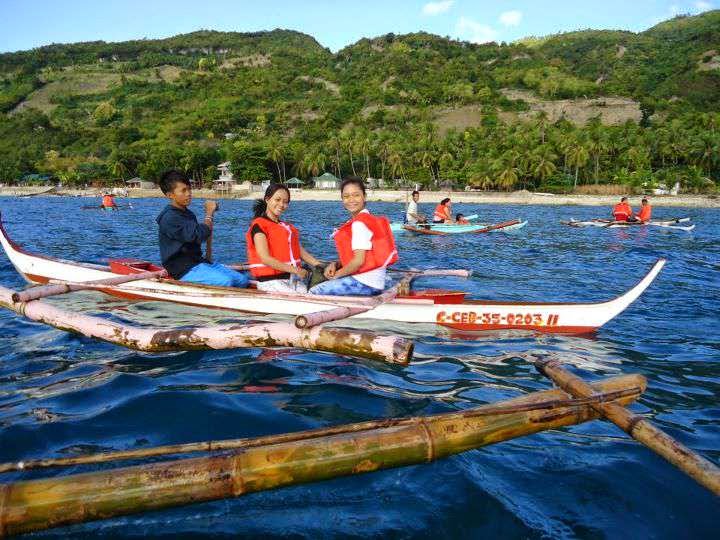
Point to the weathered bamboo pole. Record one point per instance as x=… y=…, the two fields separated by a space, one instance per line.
x=55 y=289
x=53 y=502
x=697 y=467
x=496 y=226
x=358 y=343
x=233 y=444
x=328 y=315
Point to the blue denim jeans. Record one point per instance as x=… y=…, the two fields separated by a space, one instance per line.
x=216 y=274
x=344 y=286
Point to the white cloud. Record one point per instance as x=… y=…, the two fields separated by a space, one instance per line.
x=511 y=18
x=436 y=8
x=474 y=31
x=702 y=6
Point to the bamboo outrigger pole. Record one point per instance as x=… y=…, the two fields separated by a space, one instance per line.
x=54 y=289
x=697 y=467
x=53 y=502
x=319 y=317
x=359 y=343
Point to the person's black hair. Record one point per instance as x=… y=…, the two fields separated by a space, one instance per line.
x=170 y=179
x=458 y=216
x=356 y=180
x=644 y=200
x=445 y=201
x=623 y=199
x=415 y=192
x=260 y=206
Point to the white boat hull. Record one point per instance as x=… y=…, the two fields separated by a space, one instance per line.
x=471 y=315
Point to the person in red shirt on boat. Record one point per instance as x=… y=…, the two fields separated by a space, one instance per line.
x=622 y=211
x=366 y=247
x=273 y=246
x=108 y=201
x=645 y=211
x=443 y=212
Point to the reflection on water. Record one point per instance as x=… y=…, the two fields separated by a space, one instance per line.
x=65 y=395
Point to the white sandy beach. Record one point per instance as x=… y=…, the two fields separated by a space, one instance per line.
x=475 y=197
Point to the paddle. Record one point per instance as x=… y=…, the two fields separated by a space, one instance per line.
x=208 y=245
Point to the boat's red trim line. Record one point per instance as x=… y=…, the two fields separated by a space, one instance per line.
x=544 y=329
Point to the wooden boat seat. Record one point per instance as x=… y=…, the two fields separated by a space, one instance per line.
x=132 y=266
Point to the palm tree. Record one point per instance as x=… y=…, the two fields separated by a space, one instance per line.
x=577 y=156
x=275 y=153
x=118 y=169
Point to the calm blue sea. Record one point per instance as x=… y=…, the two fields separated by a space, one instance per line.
x=61 y=395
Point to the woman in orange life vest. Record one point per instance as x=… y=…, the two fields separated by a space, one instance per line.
x=645 y=211
x=443 y=212
x=622 y=211
x=273 y=246
x=366 y=247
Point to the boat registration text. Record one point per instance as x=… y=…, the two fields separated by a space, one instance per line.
x=518 y=319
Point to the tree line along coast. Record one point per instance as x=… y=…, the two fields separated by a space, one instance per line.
x=416 y=109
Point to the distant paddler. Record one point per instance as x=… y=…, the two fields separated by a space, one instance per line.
x=622 y=211
x=273 y=246
x=366 y=247
x=645 y=211
x=412 y=216
x=108 y=202
x=443 y=212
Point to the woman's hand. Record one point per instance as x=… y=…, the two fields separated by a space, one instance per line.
x=300 y=272
x=330 y=270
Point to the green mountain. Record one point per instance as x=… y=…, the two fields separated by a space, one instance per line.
x=579 y=107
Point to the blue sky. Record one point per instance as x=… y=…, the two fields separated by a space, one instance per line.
x=334 y=23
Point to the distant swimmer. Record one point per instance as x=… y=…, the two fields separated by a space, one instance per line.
x=460 y=220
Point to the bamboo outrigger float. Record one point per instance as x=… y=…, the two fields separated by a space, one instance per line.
x=246 y=466
x=273 y=462
x=445 y=308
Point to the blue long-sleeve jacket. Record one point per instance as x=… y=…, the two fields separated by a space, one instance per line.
x=180 y=238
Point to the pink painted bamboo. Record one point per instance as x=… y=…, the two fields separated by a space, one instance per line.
x=54 y=289
x=359 y=343
x=319 y=317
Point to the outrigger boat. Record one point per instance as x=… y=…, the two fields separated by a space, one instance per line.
x=610 y=224
x=446 y=308
x=442 y=229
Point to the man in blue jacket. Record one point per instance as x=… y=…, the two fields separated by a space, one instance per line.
x=181 y=237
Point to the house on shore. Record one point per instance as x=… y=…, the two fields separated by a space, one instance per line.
x=326 y=181
x=139 y=183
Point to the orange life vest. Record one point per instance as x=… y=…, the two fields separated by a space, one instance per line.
x=645 y=213
x=108 y=201
x=283 y=242
x=383 y=252
x=622 y=211
x=440 y=213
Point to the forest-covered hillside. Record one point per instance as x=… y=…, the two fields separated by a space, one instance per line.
x=576 y=108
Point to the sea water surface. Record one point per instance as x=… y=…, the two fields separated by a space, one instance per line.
x=62 y=395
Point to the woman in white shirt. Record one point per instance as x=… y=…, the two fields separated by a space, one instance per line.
x=366 y=247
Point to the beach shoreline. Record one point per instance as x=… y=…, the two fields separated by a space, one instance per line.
x=395 y=196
